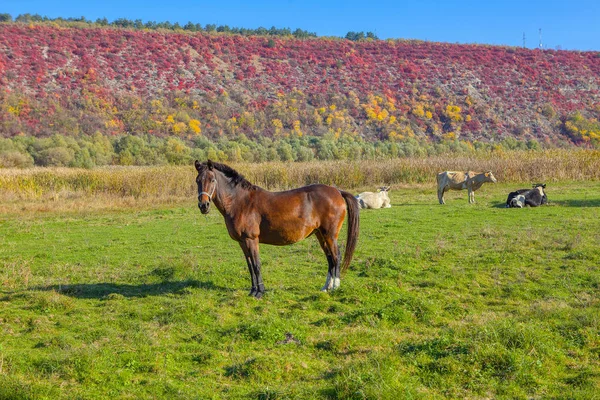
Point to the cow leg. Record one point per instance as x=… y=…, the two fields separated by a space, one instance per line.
x=441 y=195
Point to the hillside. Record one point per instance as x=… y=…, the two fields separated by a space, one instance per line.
x=74 y=81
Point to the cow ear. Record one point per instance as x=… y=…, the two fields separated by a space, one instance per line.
x=210 y=165
x=198 y=165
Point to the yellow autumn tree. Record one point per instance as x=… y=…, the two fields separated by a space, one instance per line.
x=296 y=127
x=278 y=125
x=418 y=110
x=179 y=128
x=453 y=113
x=194 y=126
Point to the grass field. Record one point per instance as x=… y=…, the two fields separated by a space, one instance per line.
x=456 y=301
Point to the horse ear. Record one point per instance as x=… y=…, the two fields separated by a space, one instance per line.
x=198 y=165
x=209 y=164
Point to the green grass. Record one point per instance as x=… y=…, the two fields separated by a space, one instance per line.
x=454 y=301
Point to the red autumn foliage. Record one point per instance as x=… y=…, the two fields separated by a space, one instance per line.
x=501 y=88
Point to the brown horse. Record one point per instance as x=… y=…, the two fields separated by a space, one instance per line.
x=254 y=215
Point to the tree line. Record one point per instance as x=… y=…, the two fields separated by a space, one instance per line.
x=88 y=151
x=190 y=26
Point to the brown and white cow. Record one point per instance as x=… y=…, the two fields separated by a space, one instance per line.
x=458 y=180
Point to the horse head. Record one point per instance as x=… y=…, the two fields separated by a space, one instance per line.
x=207 y=184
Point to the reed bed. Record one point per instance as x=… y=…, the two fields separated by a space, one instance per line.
x=172 y=183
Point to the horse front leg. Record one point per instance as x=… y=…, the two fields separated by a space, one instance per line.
x=248 y=257
x=257 y=282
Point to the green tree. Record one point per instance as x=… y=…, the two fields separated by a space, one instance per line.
x=177 y=152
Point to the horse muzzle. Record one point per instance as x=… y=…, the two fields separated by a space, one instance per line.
x=204 y=207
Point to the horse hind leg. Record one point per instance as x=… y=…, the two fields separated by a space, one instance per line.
x=332 y=252
x=337 y=269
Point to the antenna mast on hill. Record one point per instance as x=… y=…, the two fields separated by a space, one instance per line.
x=541 y=39
x=524 y=40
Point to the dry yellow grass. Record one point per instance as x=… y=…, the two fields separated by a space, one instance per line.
x=44 y=189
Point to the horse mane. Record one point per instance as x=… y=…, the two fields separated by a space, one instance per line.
x=235 y=178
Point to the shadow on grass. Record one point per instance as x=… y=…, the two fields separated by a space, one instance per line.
x=577 y=203
x=562 y=203
x=104 y=290
x=403 y=205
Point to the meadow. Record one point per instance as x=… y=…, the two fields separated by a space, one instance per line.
x=134 y=294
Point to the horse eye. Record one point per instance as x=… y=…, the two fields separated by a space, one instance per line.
x=213 y=180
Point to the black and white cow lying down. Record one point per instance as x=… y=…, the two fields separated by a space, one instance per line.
x=528 y=197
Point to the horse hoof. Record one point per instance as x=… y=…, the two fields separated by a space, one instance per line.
x=252 y=292
x=258 y=295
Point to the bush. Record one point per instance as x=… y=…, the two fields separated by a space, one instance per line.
x=55 y=157
x=15 y=159
x=176 y=152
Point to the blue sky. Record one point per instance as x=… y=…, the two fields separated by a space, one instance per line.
x=572 y=25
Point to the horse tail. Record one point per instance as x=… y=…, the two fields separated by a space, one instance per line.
x=353 y=223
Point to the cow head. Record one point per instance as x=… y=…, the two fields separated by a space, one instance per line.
x=489 y=177
x=541 y=187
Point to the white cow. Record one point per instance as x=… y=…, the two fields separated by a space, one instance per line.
x=375 y=200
